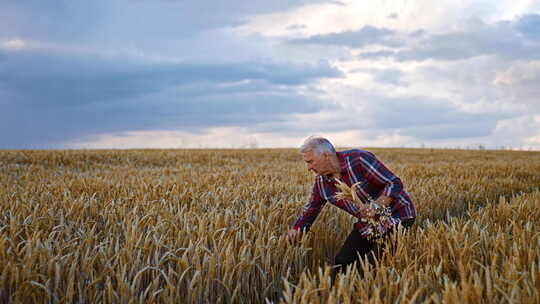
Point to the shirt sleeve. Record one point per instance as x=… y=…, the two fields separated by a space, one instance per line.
x=311 y=210
x=377 y=172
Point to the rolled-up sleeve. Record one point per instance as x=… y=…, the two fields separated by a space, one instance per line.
x=311 y=210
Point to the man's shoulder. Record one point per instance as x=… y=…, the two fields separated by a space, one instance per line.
x=355 y=153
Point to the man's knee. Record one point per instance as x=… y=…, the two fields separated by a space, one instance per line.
x=347 y=259
x=407 y=223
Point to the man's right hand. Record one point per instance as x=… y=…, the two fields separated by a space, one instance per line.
x=293 y=235
x=366 y=211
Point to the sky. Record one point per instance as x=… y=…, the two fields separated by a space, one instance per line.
x=240 y=74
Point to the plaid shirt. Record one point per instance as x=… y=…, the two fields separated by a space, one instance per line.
x=375 y=180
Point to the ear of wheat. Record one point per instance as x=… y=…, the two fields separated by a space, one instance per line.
x=377 y=219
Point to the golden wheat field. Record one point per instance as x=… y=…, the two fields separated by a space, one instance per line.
x=206 y=226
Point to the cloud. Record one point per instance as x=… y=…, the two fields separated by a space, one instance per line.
x=417 y=33
x=55 y=96
x=69 y=79
x=390 y=76
x=127 y=20
x=442 y=131
x=517 y=39
x=414 y=117
x=339 y=3
x=526 y=73
x=367 y=35
x=429 y=119
x=377 y=54
x=14 y=44
x=519 y=84
x=529 y=26
x=296 y=27
x=28 y=127
x=507 y=129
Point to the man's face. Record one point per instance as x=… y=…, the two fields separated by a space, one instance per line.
x=316 y=163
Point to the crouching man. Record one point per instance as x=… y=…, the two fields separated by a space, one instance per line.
x=375 y=180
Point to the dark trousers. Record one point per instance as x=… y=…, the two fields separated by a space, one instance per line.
x=357 y=246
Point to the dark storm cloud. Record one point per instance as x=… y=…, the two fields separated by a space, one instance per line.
x=55 y=78
x=365 y=36
x=56 y=96
x=26 y=127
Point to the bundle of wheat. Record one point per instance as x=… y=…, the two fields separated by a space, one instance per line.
x=377 y=219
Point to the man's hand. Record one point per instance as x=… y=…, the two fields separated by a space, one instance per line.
x=293 y=235
x=364 y=208
x=366 y=211
x=384 y=200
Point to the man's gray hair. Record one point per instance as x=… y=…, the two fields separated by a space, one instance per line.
x=318 y=145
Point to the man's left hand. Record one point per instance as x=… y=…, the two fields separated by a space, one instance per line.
x=384 y=200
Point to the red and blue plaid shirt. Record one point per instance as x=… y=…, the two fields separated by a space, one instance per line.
x=358 y=166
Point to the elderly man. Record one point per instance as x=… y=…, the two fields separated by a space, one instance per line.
x=351 y=167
